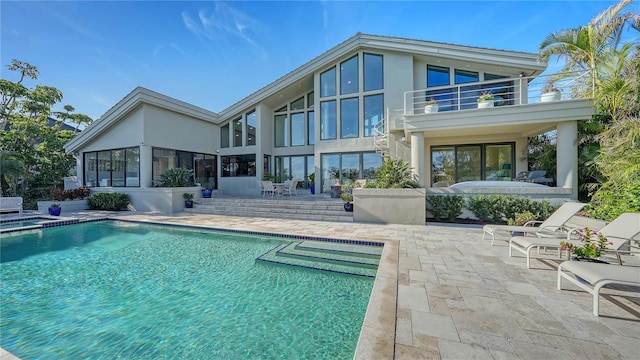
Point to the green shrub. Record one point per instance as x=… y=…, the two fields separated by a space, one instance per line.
x=446 y=206
x=108 y=201
x=487 y=207
x=543 y=209
x=393 y=174
x=500 y=208
x=176 y=177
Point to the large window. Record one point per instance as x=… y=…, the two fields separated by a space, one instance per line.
x=349 y=76
x=348 y=167
x=224 y=136
x=237 y=132
x=251 y=128
x=373 y=72
x=311 y=134
x=281 y=131
x=373 y=113
x=297 y=129
x=328 y=83
x=203 y=165
x=239 y=165
x=291 y=123
x=328 y=123
x=349 y=116
x=437 y=76
x=117 y=167
x=451 y=164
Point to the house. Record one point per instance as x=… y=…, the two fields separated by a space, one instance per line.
x=339 y=114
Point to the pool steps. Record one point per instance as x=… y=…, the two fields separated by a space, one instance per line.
x=343 y=258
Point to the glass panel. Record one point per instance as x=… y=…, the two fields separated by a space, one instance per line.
x=469 y=96
x=464 y=76
x=282 y=168
x=328 y=83
x=349 y=118
x=163 y=159
x=298 y=104
x=297 y=168
x=104 y=168
x=469 y=167
x=443 y=162
x=311 y=130
x=328 y=123
x=297 y=129
x=90 y=169
x=372 y=72
x=205 y=169
x=370 y=163
x=237 y=132
x=251 y=128
x=224 y=136
x=373 y=113
x=350 y=171
x=310 y=168
x=488 y=77
x=498 y=160
x=437 y=76
x=282 y=109
x=185 y=159
x=239 y=165
x=133 y=167
x=117 y=167
x=266 y=164
x=310 y=101
x=503 y=92
x=349 y=76
x=280 y=129
x=330 y=170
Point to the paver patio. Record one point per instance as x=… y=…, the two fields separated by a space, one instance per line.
x=458 y=297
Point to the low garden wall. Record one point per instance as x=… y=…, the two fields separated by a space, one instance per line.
x=165 y=200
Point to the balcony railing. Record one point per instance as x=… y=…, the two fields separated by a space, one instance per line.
x=505 y=92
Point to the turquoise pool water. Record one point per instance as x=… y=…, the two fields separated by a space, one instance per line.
x=15 y=224
x=139 y=291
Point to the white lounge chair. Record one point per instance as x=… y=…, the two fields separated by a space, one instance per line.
x=8 y=204
x=620 y=231
x=268 y=189
x=596 y=276
x=549 y=227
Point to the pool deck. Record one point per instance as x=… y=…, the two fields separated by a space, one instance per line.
x=443 y=292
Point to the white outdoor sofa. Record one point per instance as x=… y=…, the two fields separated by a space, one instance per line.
x=11 y=204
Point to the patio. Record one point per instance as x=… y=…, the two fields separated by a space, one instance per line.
x=451 y=295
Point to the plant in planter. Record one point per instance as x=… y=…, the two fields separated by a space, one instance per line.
x=393 y=174
x=347 y=197
x=312 y=182
x=550 y=93
x=485 y=100
x=176 y=177
x=431 y=106
x=55 y=209
x=207 y=190
x=593 y=244
x=188 y=200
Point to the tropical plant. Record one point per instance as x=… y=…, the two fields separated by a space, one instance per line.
x=522 y=218
x=312 y=178
x=176 y=177
x=393 y=174
x=590 y=248
x=13 y=170
x=187 y=196
x=346 y=197
x=54 y=205
x=485 y=96
x=115 y=201
x=207 y=186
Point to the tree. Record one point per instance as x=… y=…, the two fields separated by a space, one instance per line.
x=12 y=172
x=26 y=133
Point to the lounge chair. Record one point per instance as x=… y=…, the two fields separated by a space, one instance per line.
x=549 y=227
x=593 y=277
x=620 y=231
x=290 y=188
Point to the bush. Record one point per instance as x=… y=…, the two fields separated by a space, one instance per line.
x=176 y=177
x=446 y=206
x=500 y=208
x=72 y=194
x=108 y=201
x=487 y=207
x=393 y=174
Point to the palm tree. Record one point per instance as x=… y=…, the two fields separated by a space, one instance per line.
x=12 y=169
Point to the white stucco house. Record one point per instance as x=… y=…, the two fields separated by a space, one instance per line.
x=338 y=115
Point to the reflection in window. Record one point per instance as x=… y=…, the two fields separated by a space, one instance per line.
x=349 y=118
x=464 y=76
x=298 y=104
x=117 y=167
x=90 y=169
x=373 y=113
x=373 y=72
x=468 y=166
x=328 y=83
x=251 y=128
x=328 y=121
x=437 y=76
x=224 y=136
x=330 y=170
x=297 y=129
x=348 y=167
x=310 y=100
x=239 y=165
x=349 y=76
x=311 y=128
x=370 y=163
x=281 y=131
x=451 y=164
x=237 y=132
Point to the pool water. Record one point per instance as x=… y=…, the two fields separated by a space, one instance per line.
x=139 y=291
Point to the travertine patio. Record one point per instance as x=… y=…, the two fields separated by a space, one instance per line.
x=458 y=297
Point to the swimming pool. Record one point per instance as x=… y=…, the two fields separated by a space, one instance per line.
x=22 y=222
x=118 y=289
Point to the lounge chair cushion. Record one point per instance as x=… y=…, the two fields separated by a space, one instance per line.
x=595 y=273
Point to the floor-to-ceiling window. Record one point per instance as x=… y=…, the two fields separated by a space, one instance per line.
x=203 y=165
x=293 y=123
x=458 y=163
x=348 y=167
x=116 y=167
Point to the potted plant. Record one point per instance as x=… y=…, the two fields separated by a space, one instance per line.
x=550 y=93
x=188 y=200
x=431 y=106
x=592 y=245
x=312 y=182
x=207 y=190
x=55 y=209
x=521 y=219
x=347 y=197
x=485 y=100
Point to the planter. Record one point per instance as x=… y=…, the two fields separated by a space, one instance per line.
x=55 y=211
x=431 y=108
x=517 y=233
x=485 y=104
x=313 y=189
x=68 y=205
x=207 y=193
x=390 y=206
x=336 y=190
x=188 y=204
x=348 y=207
x=550 y=96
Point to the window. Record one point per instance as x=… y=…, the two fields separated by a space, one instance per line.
x=297 y=129
x=347 y=167
x=205 y=169
x=281 y=131
x=330 y=170
x=464 y=76
x=251 y=128
x=298 y=104
x=373 y=113
x=163 y=159
x=349 y=76
x=203 y=165
x=349 y=116
x=224 y=136
x=350 y=167
x=104 y=168
x=370 y=163
x=373 y=72
x=311 y=133
x=132 y=160
x=237 y=132
x=90 y=169
x=239 y=165
x=437 y=76
x=328 y=83
x=117 y=167
x=328 y=122
x=459 y=163
x=310 y=100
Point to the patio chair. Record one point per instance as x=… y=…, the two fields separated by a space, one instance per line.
x=8 y=204
x=260 y=186
x=553 y=224
x=592 y=277
x=291 y=188
x=268 y=189
x=619 y=232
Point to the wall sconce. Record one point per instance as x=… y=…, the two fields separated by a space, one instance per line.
x=403 y=139
x=217 y=150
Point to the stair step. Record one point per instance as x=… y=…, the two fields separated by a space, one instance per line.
x=338 y=247
x=328 y=256
x=275 y=256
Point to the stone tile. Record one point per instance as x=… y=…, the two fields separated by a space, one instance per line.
x=404 y=352
x=414 y=298
x=455 y=350
x=486 y=341
x=580 y=349
x=427 y=344
x=444 y=291
x=627 y=346
x=501 y=355
x=522 y=288
x=531 y=316
x=435 y=325
x=496 y=323
x=529 y=351
x=404 y=334
x=409 y=262
x=438 y=305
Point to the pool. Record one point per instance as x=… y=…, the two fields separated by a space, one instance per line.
x=128 y=290
x=21 y=222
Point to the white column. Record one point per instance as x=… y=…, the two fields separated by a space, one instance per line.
x=417 y=156
x=146 y=165
x=567 y=156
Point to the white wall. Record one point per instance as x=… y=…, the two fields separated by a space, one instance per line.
x=167 y=129
x=125 y=133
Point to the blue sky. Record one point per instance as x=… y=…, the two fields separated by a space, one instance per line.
x=212 y=54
